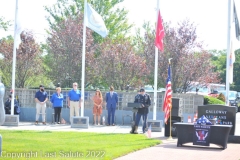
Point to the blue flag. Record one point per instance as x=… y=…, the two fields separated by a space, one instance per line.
x=95 y=22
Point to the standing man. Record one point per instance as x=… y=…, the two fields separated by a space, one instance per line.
x=41 y=99
x=145 y=100
x=74 y=101
x=111 y=100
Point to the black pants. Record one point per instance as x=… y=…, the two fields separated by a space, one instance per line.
x=57 y=112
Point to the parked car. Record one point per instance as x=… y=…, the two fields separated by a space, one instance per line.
x=233 y=98
x=149 y=89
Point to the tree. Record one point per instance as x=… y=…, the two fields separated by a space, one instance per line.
x=118 y=64
x=219 y=60
x=65 y=51
x=114 y=17
x=28 y=61
x=4 y=24
x=190 y=62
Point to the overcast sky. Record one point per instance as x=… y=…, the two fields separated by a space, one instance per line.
x=210 y=16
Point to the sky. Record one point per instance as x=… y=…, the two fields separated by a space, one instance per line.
x=209 y=16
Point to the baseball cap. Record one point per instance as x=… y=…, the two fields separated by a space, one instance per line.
x=142 y=90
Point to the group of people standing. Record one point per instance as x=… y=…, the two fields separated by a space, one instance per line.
x=74 y=103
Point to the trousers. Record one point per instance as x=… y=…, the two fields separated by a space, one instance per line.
x=144 y=117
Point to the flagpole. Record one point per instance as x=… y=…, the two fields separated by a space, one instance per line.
x=83 y=61
x=155 y=73
x=228 y=50
x=170 y=117
x=14 y=59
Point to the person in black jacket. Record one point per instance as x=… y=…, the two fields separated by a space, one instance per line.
x=145 y=100
x=7 y=105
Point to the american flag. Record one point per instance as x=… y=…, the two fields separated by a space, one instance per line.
x=203 y=120
x=149 y=132
x=167 y=105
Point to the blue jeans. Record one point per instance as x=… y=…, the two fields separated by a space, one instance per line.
x=111 y=114
x=138 y=117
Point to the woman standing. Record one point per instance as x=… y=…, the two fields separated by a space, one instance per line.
x=97 y=108
x=57 y=101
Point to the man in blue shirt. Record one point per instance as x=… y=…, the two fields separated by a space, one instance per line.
x=41 y=99
x=74 y=101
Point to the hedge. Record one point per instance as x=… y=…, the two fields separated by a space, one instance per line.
x=212 y=100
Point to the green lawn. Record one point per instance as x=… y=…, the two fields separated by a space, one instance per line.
x=70 y=145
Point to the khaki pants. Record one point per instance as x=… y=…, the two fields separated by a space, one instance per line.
x=40 y=108
x=74 y=107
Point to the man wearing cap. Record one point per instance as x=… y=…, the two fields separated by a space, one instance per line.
x=145 y=100
x=74 y=101
x=41 y=99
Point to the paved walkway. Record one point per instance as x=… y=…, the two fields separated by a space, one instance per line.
x=168 y=150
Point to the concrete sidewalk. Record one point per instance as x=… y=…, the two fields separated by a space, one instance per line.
x=168 y=150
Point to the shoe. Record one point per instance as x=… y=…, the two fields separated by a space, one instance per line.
x=58 y=122
x=44 y=123
x=107 y=125
x=113 y=124
x=36 y=122
x=136 y=130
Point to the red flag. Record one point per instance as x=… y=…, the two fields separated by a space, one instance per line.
x=159 y=33
x=167 y=105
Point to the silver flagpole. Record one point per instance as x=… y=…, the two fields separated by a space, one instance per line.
x=228 y=49
x=14 y=58
x=155 y=74
x=83 y=60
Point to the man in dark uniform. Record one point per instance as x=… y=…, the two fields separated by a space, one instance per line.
x=145 y=100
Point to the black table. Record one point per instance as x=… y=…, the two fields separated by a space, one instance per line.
x=219 y=134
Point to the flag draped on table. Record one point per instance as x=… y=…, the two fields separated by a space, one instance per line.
x=159 y=33
x=167 y=104
x=203 y=120
x=95 y=22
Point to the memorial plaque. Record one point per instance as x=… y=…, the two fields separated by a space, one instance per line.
x=156 y=125
x=223 y=115
x=80 y=122
x=11 y=120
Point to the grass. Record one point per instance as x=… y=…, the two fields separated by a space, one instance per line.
x=70 y=145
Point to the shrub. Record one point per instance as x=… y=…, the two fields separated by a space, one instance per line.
x=212 y=100
x=221 y=97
